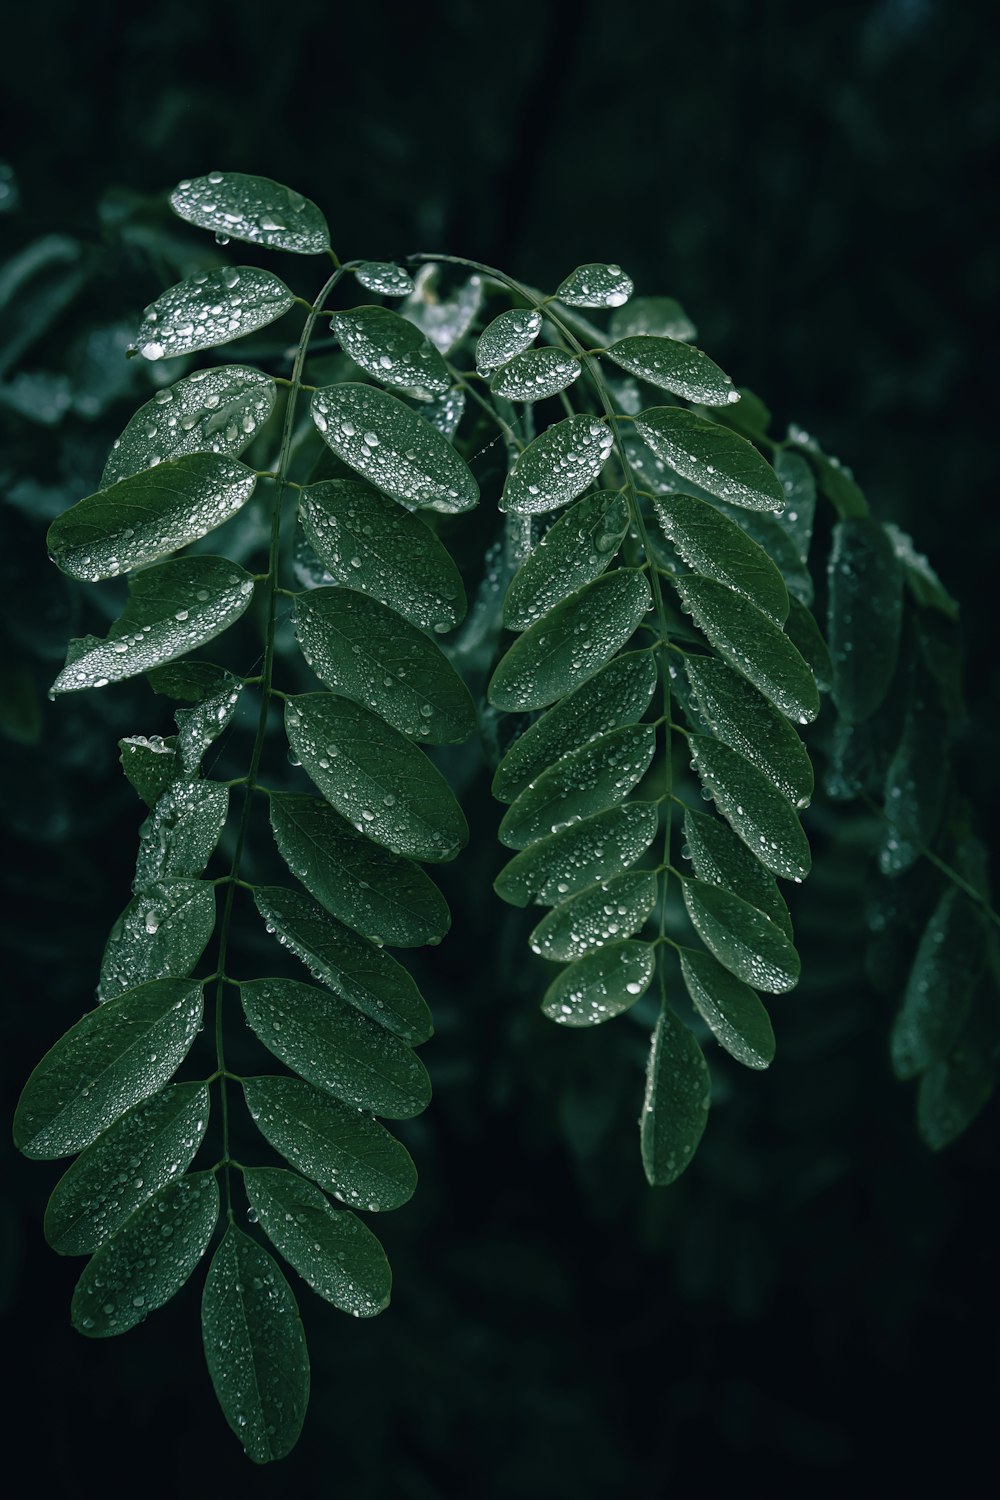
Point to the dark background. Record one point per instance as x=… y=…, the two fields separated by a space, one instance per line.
x=816 y=1299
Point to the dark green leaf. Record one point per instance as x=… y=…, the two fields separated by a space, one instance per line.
x=142 y=518
x=835 y=480
x=717 y=547
x=557 y=466
x=916 y=782
x=211 y=308
x=865 y=616
x=171 y=609
x=676 y=367
x=731 y=1009
x=381 y=895
x=953 y=1092
x=370 y=543
x=349 y=1154
x=720 y=858
x=578 y=856
x=210 y=411
x=330 y=1044
x=578 y=548
x=150 y=765
x=596 y=285
x=743 y=939
x=365 y=975
x=507 y=336
x=392 y=350
x=564 y=647
x=805 y=636
x=367 y=652
x=536 y=375
x=388 y=444
x=675 y=1109
x=384 y=278
x=330 y=1248
x=161 y=934
x=181 y=833
x=800 y=499
x=747 y=722
x=583 y=782
x=379 y=780
x=618 y=694
x=753 y=807
x=748 y=415
x=149 y=1146
x=111 y=1059
x=660 y=316
x=240 y=207
x=602 y=914
x=255 y=1348
x=752 y=644
x=718 y=460
x=601 y=985
x=939 y=991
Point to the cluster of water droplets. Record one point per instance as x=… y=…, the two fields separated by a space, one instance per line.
x=596 y=285
x=536 y=375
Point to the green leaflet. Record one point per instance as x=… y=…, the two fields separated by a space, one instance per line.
x=596 y=285
x=675 y=1107
x=148 y=1259
x=536 y=375
x=941 y=984
x=797 y=481
x=753 y=807
x=139 y=1154
x=718 y=548
x=601 y=914
x=716 y=459
x=618 y=694
x=731 y=1010
x=181 y=833
x=171 y=609
x=578 y=548
x=778 y=540
x=392 y=350
x=752 y=644
x=375 y=777
x=586 y=781
x=389 y=445
x=676 y=367
x=331 y=1045
x=578 y=856
x=953 y=1091
x=349 y=1154
x=370 y=543
x=210 y=411
x=161 y=933
x=660 y=316
x=151 y=765
x=193 y=682
x=255 y=1348
x=381 y=895
x=384 y=278
x=805 y=636
x=864 y=615
x=601 y=985
x=557 y=466
x=916 y=781
x=743 y=939
x=240 y=207
x=444 y=412
x=563 y=648
x=211 y=308
x=331 y=1249
x=365 y=975
x=111 y=1059
x=507 y=336
x=747 y=722
x=719 y=857
x=367 y=652
x=139 y=519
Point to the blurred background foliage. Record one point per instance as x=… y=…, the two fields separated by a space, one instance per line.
x=812 y=183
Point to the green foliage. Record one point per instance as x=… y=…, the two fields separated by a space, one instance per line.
x=647 y=554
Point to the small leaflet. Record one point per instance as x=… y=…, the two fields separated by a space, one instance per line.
x=743 y=939
x=161 y=934
x=180 y=835
x=384 y=279
x=392 y=350
x=675 y=366
x=507 y=336
x=864 y=615
x=536 y=375
x=108 y=1061
x=574 y=639
x=558 y=466
x=596 y=285
x=739 y=715
x=148 y=1259
x=604 y=913
x=675 y=1107
x=335 y=1048
x=211 y=308
x=731 y=1009
x=753 y=807
x=140 y=519
x=255 y=1348
x=578 y=856
x=601 y=985
x=583 y=782
x=397 y=451
x=579 y=547
x=713 y=457
x=713 y=545
x=256 y=209
x=150 y=765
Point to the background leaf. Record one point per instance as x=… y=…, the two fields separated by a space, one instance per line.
x=864 y=618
